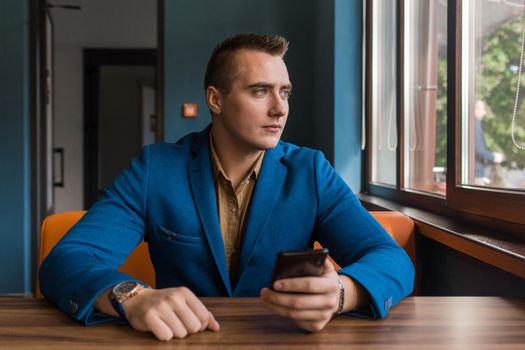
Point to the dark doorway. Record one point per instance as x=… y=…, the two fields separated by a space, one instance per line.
x=119 y=113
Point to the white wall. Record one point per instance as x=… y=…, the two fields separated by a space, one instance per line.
x=99 y=24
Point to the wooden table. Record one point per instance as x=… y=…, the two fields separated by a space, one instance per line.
x=416 y=323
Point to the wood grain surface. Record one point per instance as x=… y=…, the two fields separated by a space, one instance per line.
x=416 y=323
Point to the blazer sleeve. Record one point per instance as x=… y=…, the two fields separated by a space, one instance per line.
x=359 y=243
x=85 y=262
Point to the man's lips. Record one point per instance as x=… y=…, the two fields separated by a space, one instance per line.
x=273 y=127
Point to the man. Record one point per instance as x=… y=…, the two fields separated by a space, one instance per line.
x=216 y=208
x=483 y=156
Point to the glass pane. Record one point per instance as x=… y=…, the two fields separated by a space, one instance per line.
x=425 y=95
x=384 y=106
x=491 y=49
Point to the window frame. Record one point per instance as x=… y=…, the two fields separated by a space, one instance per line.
x=460 y=200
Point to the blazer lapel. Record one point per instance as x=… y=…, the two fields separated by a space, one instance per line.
x=202 y=187
x=265 y=195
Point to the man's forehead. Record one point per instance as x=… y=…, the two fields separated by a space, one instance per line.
x=260 y=66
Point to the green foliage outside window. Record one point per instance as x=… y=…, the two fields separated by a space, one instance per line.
x=441 y=114
x=497 y=79
x=496 y=85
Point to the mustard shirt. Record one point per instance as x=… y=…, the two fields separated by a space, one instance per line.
x=232 y=205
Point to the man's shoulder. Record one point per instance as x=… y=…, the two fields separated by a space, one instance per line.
x=174 y=149
x=294 y=152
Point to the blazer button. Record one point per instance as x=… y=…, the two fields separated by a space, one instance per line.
x=73 y=307
x=388 y=304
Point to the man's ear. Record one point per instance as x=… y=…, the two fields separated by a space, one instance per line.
x=213 y=99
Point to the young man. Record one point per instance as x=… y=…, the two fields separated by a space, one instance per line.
x=484 y=158
x=216 y=207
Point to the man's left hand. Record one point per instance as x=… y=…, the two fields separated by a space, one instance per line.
x=309 y=301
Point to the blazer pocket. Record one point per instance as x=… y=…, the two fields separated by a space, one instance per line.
x=177 y=237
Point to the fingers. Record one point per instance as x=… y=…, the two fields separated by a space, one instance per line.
x=174 y=323
x=196 y=308
x=158 y=327
x=311 y=326
x=300 y=301
x=190 y=321
x=169 y=313
x=309 y=301
x=310 y=312
x=328 y=266
x=313 y=285
x=300 y=314
x=205 y=317
x=213 y=325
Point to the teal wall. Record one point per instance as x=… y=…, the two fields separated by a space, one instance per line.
x=322 y=52
x=347 y=103
x=15 y=240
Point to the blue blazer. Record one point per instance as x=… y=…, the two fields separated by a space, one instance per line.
x=167 y=197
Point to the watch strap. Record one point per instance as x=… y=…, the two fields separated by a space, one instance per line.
x=341 y=297
x=117 y=300
x=120 y=310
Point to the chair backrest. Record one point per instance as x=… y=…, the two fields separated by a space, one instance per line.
x=138 y=264
x=55 y=226
x=399 y=226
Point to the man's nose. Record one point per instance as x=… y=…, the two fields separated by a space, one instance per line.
x=279 y=107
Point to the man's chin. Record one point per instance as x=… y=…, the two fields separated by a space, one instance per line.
x=268 y=145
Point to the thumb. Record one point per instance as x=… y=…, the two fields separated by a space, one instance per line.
x=328 y=266
x=213 y=325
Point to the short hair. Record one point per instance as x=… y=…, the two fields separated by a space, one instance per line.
x=220 y=69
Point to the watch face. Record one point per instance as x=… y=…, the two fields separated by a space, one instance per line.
x=124 y=288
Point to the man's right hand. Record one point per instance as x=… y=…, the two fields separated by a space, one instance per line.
x=168 y=313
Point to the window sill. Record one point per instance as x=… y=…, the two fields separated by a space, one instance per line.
x=482 y=238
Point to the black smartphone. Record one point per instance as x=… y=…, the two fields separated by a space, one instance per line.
x=299 y=264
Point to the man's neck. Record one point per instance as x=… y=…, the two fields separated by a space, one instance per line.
x=235 y=161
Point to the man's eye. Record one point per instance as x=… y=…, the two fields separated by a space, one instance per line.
x=259 y=92
x=286 y=94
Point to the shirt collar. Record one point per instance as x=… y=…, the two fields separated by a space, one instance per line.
x=217 y=166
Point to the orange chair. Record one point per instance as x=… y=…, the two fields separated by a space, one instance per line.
x=399 y=226
x=55 y=226
x=138 y=264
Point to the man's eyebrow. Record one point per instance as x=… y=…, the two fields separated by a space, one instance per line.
x=262 y=84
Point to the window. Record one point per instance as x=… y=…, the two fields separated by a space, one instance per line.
x=452 y=102
x=493 y=151
x=425 y=96
x=384 y=85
